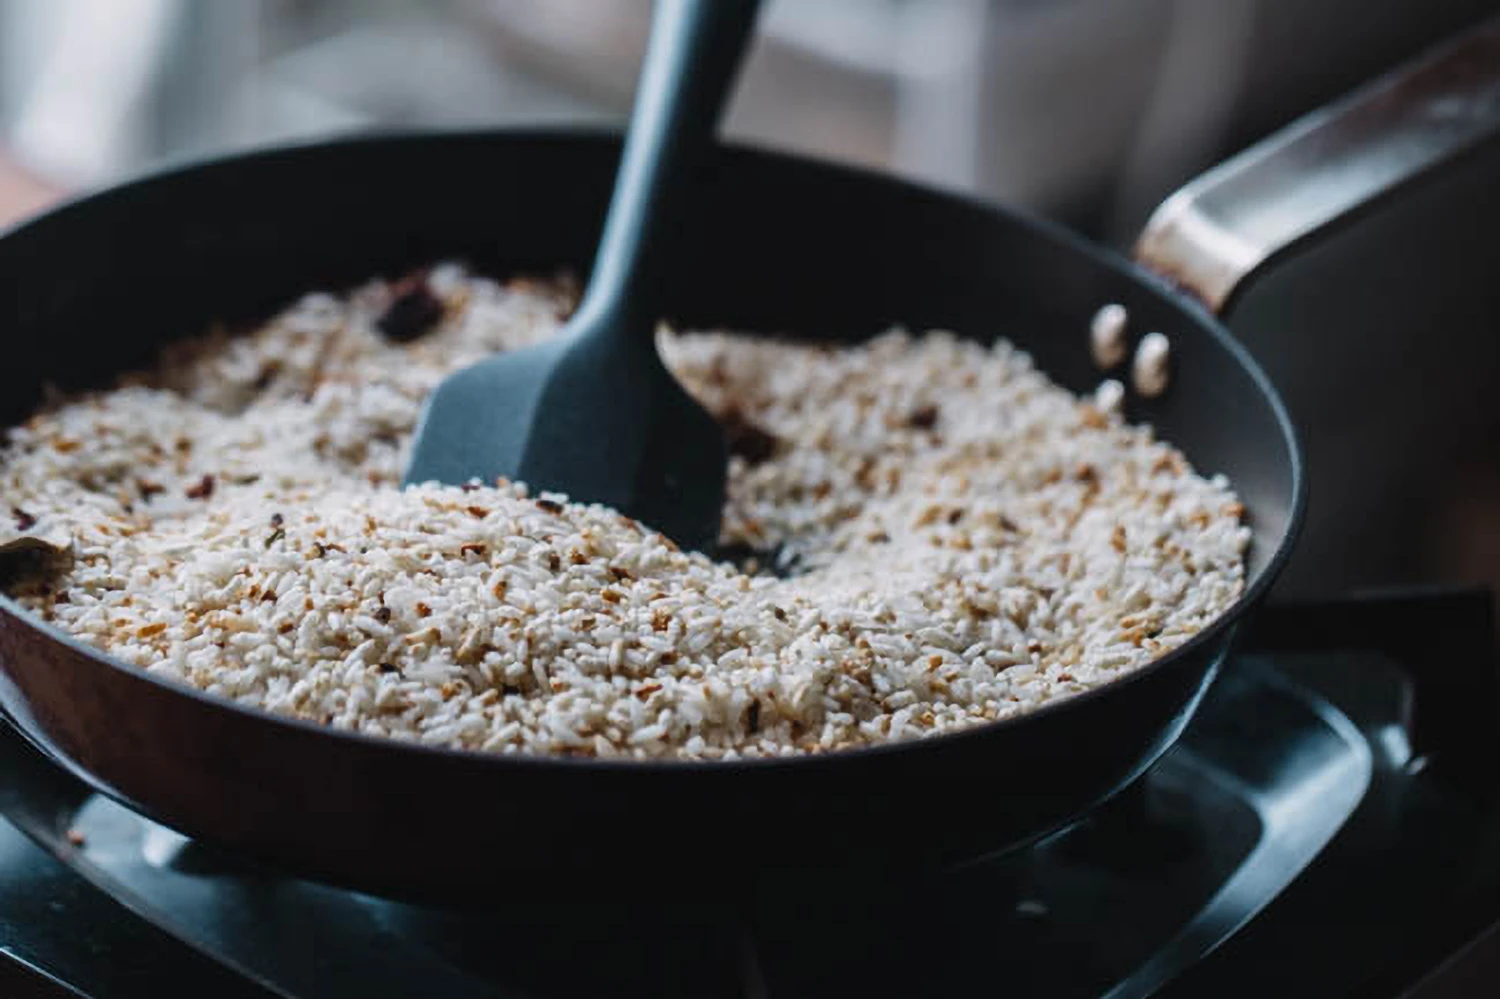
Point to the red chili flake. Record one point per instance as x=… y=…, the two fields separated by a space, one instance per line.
x=748 y=439
x=474 y=548
x=644 y=693
x=268 y=597
x=550 y=506
x=202 y=489
x=477 y=511
x=414 y=310
x=76 y=838
x=923 y=417
x=423 y=610
x=24 y=520
x=619 y=573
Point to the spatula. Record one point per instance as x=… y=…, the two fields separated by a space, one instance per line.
x=594 y=413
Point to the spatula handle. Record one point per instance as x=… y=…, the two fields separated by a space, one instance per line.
x=691 y=63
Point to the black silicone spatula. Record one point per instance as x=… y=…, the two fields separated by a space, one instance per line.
x=594 y=413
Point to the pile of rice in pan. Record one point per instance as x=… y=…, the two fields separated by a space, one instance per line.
x=922 y=533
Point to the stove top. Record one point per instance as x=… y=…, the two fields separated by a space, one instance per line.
x=1326 y=827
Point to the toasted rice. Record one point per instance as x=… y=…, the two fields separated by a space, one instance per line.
x=931 y=535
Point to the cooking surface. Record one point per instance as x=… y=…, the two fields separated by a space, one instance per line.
x=1291 y=752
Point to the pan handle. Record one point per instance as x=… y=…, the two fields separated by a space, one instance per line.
x=1222 y=228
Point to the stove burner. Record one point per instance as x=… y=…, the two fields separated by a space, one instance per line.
x=1247 y=835
x=1156 y=879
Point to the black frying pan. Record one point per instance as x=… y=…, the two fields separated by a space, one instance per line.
x=803 y=248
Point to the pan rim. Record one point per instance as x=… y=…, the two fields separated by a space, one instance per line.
x=1220 y=628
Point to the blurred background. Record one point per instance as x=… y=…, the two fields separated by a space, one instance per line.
x=1085 y=110
x=1385 y=340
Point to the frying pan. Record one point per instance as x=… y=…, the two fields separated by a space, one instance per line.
x=800 y=248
